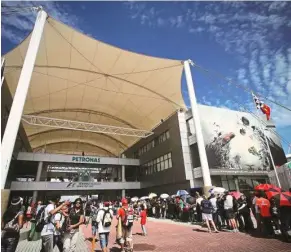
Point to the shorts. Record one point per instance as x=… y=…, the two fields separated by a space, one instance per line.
x=229 y=214
x=206 y=216
x=104 y=237
x=126 y=235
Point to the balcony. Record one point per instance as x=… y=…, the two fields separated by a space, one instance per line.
x=66 y=186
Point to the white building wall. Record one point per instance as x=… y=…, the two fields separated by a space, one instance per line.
x=186 y=148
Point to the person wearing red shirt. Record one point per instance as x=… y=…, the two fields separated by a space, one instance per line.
x=263 y=206
x=123 y=213
x=143 y=219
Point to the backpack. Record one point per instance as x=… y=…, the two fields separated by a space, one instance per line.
x=128 y=219
x=10 y=226
x=107 y=218
x=40 y=220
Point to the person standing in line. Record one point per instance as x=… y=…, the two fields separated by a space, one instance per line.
x=143 y=219
x=11 y=224
x=47 y=233
x=104 y=220
x=213 y=201
x=76 y=218
x=264 y=206
x=207 y=209
x=229 y=212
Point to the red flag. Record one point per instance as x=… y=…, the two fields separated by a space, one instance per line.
x=266 y=110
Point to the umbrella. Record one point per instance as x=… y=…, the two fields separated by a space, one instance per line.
x=173 y=196
x=152 y=195
x=164 y=196
x=284 y=198
x=236 y=194
x=217 y=190
x=134 y=199
x=181 y=192
x=265 y=187
x=272 y=192
x=144 y=198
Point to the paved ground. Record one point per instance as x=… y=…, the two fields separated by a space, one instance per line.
x=168 y=236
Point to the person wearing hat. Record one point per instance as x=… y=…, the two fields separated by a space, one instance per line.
x=11 y=224
x=124 y=214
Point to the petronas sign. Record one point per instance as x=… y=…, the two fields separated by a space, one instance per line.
x=88 y=160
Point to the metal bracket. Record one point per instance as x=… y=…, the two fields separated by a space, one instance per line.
x=83 y=126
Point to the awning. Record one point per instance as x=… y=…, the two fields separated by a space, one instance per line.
x=79 y=78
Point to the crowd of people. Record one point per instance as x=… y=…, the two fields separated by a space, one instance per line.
x=253 y=214
x=57 y=223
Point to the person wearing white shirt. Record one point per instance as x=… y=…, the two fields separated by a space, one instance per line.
x=104 y=219
x=47 y=233
x=60 y=219
x=229 y=212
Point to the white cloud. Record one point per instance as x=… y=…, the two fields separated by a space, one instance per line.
x=17 y=26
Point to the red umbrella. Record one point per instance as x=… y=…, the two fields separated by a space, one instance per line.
x=266 y=187
x=236 y=194
x=283 y=198
x=272 y=192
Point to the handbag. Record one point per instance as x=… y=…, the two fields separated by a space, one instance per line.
x=10 y=226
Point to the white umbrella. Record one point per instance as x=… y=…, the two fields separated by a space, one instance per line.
x=164 y=196
x=182 y=192
x=217 y=190
x=144 y=198
x=174 y=196
x=134 y=199
x=152 y=195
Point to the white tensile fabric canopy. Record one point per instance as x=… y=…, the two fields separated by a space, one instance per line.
x=79 y=78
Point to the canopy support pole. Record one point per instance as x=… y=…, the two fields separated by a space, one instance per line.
x=198 y=129
x=16 y=111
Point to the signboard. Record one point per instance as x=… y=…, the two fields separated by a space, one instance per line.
x=88 y=160
x=61 y=158
x=78 y=185
x=83 y=184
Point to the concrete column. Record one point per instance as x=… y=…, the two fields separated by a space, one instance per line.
x=236 y=184
x=123 y=171
x=123 y=193
x=5 y=194
x=17 y=107
x=37 y=179
x=197 y=124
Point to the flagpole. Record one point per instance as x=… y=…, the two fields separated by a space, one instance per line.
x=267 y=142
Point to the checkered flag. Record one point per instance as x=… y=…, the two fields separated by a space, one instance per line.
x=262 y=106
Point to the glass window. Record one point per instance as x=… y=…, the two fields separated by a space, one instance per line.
x=158 y=160
x=159 y=167
x=162 y=158
x=166 y=164
x=168 y=134
x=165 y=157
x=170 y=163
x=169 y=155
x=162 y=165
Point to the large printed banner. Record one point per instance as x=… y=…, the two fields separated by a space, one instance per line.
x=235 y=140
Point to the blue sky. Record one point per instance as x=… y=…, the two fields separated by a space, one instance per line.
x=248 y=42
